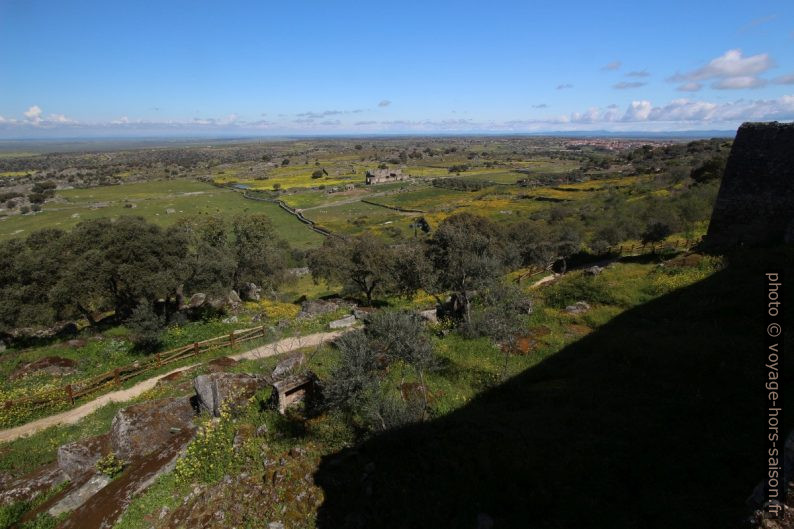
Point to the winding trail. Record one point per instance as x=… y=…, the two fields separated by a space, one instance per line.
x=72 y=416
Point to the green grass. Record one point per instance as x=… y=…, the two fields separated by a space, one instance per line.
x=152 y=200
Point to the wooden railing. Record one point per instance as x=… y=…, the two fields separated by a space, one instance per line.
x=117 y=376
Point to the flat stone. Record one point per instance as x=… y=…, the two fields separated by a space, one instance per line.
x=288 y=365
x=430 y=315
x=347 y=321
x=79 y=496
x=578 y=308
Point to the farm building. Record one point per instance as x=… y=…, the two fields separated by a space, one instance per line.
x=383 y=176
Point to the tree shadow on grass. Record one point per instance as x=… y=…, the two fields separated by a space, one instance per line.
x=655 y=420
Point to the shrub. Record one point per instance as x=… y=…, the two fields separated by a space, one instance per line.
x=110 y=465
x=579 y=288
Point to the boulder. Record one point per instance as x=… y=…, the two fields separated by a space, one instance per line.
x=430 y=315
x=317 y=306
x=76 y=343
x=250 y=292
x=288 y=365
x=141 y=429
x=197 y=300
x=347 y=321
x=216 y=389
x=79 y=458
x=578 y=308
x=233 y=298
x=593 y=271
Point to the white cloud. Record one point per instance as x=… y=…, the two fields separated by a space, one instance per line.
x=384 y=103
x=614 y=65
x=33 y=114
x=564 y=86
x=691 y=86
x=59 y=118
x=731 y=64
x=638 y=111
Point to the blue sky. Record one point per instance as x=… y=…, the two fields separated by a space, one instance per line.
x=94 y=68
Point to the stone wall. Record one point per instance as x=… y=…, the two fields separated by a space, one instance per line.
x=755 y=204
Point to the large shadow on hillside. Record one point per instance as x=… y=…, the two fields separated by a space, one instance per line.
x=654 y=421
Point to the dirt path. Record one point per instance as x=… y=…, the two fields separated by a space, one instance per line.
x=74 y=415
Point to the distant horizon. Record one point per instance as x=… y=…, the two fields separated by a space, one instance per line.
x=9 y=144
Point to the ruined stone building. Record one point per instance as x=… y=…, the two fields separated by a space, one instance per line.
x=383 y=176
x=755 y=204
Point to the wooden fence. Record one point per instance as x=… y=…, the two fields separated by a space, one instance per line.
x=117 y=376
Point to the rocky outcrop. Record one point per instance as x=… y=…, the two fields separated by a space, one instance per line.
x=250 y=292
x=141 y=429
x=755 y=204
x=580 y=307
x=29 y=486
x=216 y=389
x=50 y=365
x=79 y=458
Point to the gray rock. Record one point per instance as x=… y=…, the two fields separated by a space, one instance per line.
x=216 y=389
x=430 y=315
x=234 y=298
x=79 y=496
x=141 y=429
x=579 y=307
x=230 y=319
x=287 y=366
x=29 y=486
x=593 y=271
x=250 y=292
x=197 y=300
x=317 y=306
x=79 y=458
x=347 y=321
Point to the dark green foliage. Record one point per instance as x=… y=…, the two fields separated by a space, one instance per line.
x=467 y=253
x=711 y=169
x=656 y=232
x=260 y=254
x=317 y=174
x=146 y=328
x=363 y=264
x=461 y=184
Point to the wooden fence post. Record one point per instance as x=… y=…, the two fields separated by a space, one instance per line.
x=117 y=376
x=70 y=393
x=196 y=348
x=159 y=362
x=264 y=331
x=231 y=339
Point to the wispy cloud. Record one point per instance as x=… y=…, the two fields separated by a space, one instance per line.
x=623 y=85
x=384 y=103
x=757 y=22
x=541 y=105
x=564 y=86
x=638 y=73
x=691 y=86
x=612 y=66
x=784 y=79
